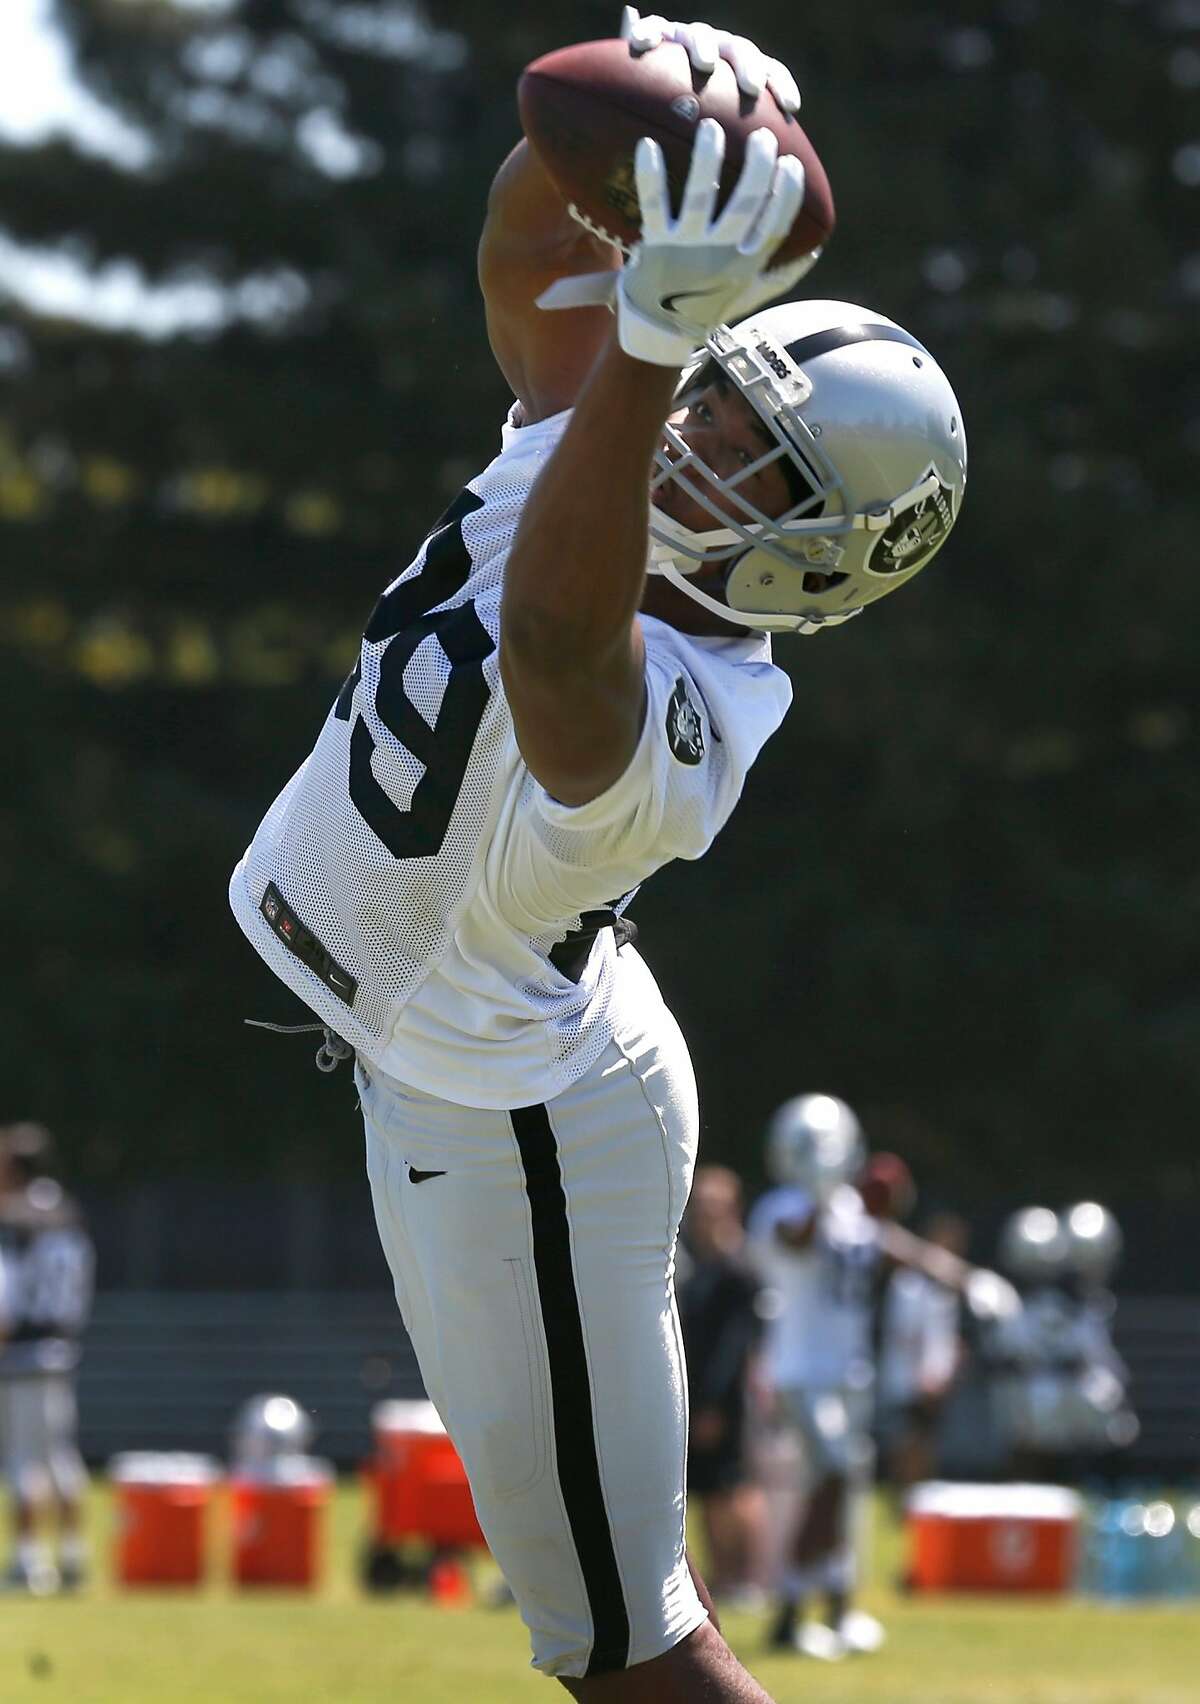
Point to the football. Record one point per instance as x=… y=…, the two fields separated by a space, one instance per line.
x=584 y=108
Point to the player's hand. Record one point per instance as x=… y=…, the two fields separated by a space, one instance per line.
x=700 y=270
x=771 y=283
x=754 y=70
x=687 y=274
x=989 y=1297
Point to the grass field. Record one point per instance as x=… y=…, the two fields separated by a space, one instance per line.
x=336 y=1646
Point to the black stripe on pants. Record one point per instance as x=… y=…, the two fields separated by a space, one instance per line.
x=574 y=1422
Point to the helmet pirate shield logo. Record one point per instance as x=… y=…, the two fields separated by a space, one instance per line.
x=913 y=536
x=685 y=732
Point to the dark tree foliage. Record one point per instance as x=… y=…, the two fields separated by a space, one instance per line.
x=960 y=890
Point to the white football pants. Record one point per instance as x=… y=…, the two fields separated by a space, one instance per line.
x=38 y=1422
x=533 y=1257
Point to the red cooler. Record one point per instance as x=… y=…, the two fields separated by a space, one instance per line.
x=419 y=1483
x=162 y=1503
x=992 y=1538
x=279 y=1523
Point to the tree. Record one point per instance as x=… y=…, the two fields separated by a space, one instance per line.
x=959 y=890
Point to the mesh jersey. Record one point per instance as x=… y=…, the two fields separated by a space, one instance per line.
x=450 y=914
x=819 y=1331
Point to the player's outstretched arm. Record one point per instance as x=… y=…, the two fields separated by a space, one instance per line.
x=570 y=645
x=988 y=1295
x=529 y=241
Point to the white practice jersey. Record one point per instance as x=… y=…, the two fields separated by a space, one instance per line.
x=819 y=1331
x=420 y=890
x=48 y=1272
x=919 y=1337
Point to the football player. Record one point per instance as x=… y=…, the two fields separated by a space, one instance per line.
x=921 y=1353
x=721 y=1324
x=46 y=1278
x=823 y=1256
x=1060 y=1385
x=561 y=694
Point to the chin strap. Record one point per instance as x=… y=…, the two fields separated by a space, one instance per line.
x=764 y=622
x=662 y=561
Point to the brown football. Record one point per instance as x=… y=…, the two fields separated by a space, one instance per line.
x=584 y=108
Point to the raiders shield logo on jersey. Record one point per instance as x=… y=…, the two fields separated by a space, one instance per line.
x=685 y=734
x=914 y=536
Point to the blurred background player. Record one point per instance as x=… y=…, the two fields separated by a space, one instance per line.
x=823 y=1257
x=1061 y=1387
x=919 y=1348
x=46 y=1281
x=719 y=1316
x=816 y=1250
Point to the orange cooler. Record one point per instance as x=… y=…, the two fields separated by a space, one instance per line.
x=992 y=1538
x=278 y=1524
x=162 y=1502
x=419 y=1482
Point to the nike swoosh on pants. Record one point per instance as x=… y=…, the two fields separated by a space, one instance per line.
x=415 y=1176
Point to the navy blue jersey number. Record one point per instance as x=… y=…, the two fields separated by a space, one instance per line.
x=401 y=617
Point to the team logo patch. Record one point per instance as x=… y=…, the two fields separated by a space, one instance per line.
x=307 y=948
x=913 y=536
x=685 y=732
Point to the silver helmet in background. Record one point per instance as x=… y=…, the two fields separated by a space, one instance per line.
x=1033 y=1245
x=1094 y=1241
x=268 y=1429
x=816 y=1143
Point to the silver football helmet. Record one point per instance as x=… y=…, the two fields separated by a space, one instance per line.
x=1094 y=1241
x=873 y=445
x=267 y=1429
x=815 y=1142
x=1033 y=1245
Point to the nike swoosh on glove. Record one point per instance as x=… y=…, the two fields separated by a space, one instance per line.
x=691 y=273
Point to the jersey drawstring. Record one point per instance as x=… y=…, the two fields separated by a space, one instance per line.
x=331 y=1051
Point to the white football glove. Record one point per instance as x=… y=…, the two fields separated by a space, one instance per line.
x=692 y=273
x=686 y=274
x=752 y=68
x=775 y=281
x=755 y=71
x=989 y=1297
